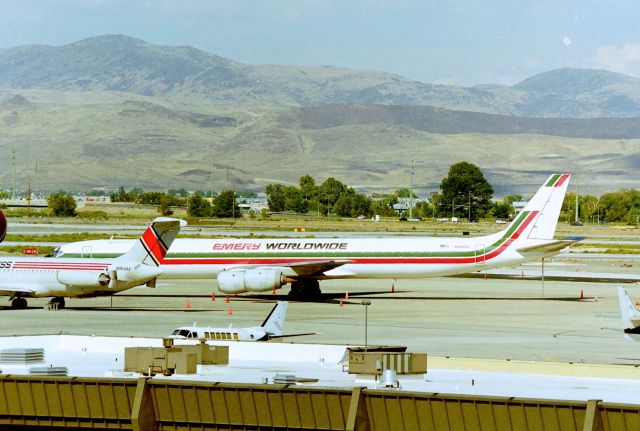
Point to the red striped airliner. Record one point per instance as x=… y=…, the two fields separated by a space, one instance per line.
x=23 y=277
x=259 y=265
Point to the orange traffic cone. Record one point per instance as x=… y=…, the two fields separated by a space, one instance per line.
x=393 y=287
x=230 y=312
x=581 y=295
x=213 y=297
x=341 y=302
x=227 y=299
x=188 y=305
x=346 y=295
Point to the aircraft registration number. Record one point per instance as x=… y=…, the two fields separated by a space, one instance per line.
x=5 y=265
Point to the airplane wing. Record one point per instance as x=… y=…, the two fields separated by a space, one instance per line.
x=549 y=248
x=313 y=268
x=316 y=267
x=16 y=287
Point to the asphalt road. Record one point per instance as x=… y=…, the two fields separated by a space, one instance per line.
x=479 y=318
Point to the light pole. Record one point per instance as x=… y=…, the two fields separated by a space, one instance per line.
x=366 y=303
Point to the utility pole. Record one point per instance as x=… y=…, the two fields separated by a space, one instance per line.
x=13 y=164
x=411 y=192
x=577 y=191
x=213 y=167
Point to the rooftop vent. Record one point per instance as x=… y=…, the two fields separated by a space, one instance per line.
x=49 y=371
x=21 y=356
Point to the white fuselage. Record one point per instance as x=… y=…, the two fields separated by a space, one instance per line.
x=396 y=257
x=227 y=334
x=66 y=277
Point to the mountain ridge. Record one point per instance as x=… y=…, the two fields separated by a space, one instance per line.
x=189 y=75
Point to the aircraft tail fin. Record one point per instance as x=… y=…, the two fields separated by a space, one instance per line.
x=539 y=218
x=154 y=243
x=274 y=323
x=3 y=226
x=630 y=314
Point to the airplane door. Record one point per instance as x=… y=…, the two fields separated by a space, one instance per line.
x=87 y=251
x=479 y=253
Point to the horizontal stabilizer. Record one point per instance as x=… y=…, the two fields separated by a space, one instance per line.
x=548 y=249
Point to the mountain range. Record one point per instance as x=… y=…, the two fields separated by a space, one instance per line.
x=114 y=110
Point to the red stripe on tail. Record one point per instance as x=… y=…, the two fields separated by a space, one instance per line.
x=561 y=180
x=154 y=245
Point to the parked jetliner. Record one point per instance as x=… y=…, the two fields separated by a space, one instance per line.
x=262 y=265
x=270 y=328
x=630 y=315
x=22 y=277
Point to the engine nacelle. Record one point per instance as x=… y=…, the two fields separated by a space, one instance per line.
x=250 y=280
x=83 y=278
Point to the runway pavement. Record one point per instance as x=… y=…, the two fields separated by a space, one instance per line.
x=476 y=318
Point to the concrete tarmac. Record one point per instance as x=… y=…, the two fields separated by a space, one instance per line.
x=475 y=318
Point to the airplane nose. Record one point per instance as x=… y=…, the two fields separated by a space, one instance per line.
x=3 y=226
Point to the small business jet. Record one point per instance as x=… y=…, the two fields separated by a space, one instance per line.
x=36 y=277
x=630 y=315
x=271 y=328
x=262 y=265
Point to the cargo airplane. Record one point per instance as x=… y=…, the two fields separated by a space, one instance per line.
x=271 y=328
x=36 y=277
x=262 y=265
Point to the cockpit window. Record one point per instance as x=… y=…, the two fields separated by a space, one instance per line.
x=57 y=252
x=183 y=333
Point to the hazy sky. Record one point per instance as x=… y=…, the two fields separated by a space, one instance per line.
x=459 y=42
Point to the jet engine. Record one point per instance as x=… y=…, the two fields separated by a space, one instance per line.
x=83 y=278
x=250 y=280
x=3 y=226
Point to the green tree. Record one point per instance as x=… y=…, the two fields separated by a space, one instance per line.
x=164 y=207
x=294 y=200
x=62 y=204
x=4 y=195
x=225 y=206
x=198 y=207
x=510 y=199
x=383 y=205
x=178 y=192
x=405 y=193
x=150 y=198
x=308 y=187
x=465 y=185
x=343 y=206
x=122 y=196
x=502 y=210
x=331 y=190
x=361 y=206
x=276 y=197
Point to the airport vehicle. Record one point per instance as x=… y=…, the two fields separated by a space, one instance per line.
x=270 y=328
x=23 y=277
x=630 y=315
x=262 y=265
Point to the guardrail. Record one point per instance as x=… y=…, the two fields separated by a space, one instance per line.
x=163 y=404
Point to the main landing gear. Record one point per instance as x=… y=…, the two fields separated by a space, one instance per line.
x=56 y=303
x=18 y=303
x=305 y=290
